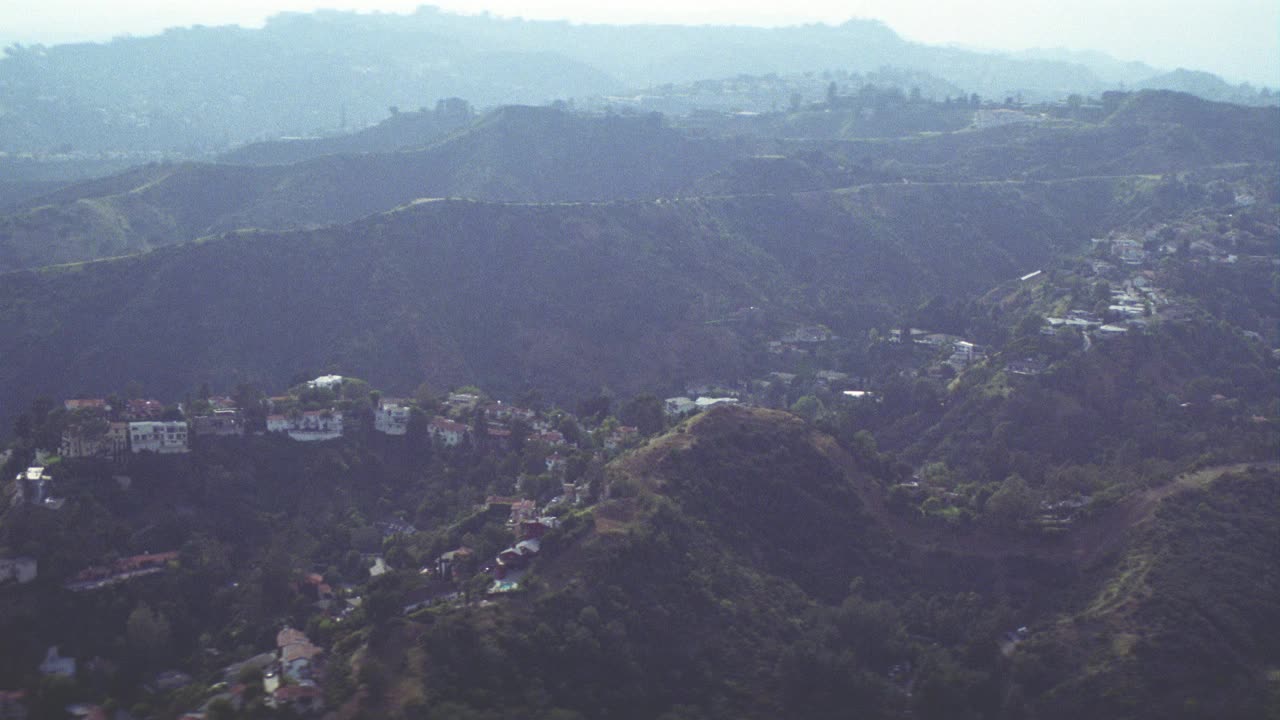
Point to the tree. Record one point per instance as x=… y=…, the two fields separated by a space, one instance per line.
x=645 y=412
x=148 y=634
x=807 y=407
x=1013 y=504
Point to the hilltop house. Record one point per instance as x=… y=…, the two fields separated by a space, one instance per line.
x=392 y=417
x=166 y=438
x=325 y=381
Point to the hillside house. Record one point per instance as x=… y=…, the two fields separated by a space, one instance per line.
x=463 y=401
x=550 y=437
x=83 y=440
x=447 y=431
x=96 y=404
x=452 y=564
x=35 y=486
x=142 y=409
x=392 y=417
x=555 y=463
x=221 y=422
x=501 y=411
x=308 y=426
x=56 y=665
x=165 y=438
x=519 y=554
x=298 y=655
x=1128 y=250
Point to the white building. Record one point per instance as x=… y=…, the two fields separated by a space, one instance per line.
x=325 y=381
x=165 y=437
x=20 y=569
x=704 y=402
x=392 y=417
x=55 y=664
x=308 y=426
x=447 y=431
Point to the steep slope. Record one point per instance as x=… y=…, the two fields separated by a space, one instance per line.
x=564 y=298
x=1182 y=627
x=517 y=154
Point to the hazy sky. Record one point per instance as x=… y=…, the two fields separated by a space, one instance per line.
x=1238 y=39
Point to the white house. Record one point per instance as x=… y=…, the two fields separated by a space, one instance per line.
x=392 y=417
x=308 y=426
x=447 y=431
x=325 y=381
x=55 y=664
x=165 y=437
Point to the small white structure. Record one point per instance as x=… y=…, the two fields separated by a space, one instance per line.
x=705 y=402
x=55 y=664
x=21 y=570
x=164 y=437
x=392 y=417
x=325 y=381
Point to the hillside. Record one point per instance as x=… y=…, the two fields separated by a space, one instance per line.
x=401 y=131
x=526 y=154
x=696 y=551
x=515 y=154
x=564 y=298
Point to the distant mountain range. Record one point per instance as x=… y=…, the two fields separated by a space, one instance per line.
x=195 y=90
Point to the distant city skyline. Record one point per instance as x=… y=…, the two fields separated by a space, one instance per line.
x=1237 y=39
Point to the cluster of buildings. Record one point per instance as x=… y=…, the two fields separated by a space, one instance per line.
x=961 y=353
x=95 y=428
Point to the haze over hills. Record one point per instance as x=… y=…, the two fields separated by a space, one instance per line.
x=193 y=90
